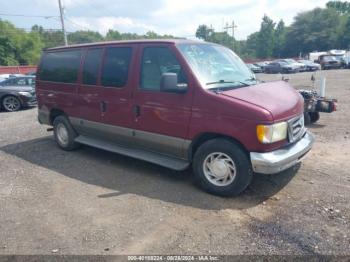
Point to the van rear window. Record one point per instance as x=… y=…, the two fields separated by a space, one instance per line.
x=60 y=66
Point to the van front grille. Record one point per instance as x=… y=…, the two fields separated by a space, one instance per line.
x=296 y=128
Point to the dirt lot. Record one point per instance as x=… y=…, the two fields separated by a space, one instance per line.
x=94 y=202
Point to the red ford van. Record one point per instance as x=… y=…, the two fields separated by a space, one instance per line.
x=173 y=103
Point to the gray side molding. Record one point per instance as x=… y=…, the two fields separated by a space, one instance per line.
x=159 y=159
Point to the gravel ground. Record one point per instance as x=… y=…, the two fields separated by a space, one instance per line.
x=95 y=202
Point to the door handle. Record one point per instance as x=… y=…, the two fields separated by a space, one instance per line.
x=103 y=106
x=136 y=110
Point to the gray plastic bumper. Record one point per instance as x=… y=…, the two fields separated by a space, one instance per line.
x=282 y=159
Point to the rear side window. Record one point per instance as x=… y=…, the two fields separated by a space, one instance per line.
x=155 y=62
x=61 y=66
x=116 y=66
x=91 y=66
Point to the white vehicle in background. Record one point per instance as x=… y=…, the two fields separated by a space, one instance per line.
x=314 y=56
x=337 y=52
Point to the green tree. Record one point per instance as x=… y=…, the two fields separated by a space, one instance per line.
x=203 y=32
x=340 y=6
x=49 y=38
x=344 y=33
x=113 y=35
x=18 y=47
x=251 y=45
x=222 y=38
x=280 y=39
x=29 y=49
x=313 y=30
x=266 y=38
x=80 y=37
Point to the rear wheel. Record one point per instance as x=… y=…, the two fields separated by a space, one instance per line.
x=11 y=103
x=222 y=168
x=64 y=133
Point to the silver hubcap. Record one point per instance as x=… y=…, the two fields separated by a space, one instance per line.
x=11 y=103
x=62 y=134
x=219 y=169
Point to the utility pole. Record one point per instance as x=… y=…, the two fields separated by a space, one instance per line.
x=233 y=27
x=62 y=22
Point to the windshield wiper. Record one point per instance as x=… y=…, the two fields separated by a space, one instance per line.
x=227 y=82
x=221 y=89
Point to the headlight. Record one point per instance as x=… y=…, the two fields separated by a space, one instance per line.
x=22 y=93
x=268 y=134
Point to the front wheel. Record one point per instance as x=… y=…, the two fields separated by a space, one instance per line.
x=11 y=103
x=222 y=168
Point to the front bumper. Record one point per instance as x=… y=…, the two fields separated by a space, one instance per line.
x=28 y=101
x=282 y=159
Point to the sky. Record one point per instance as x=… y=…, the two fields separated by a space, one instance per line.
x=175 y=17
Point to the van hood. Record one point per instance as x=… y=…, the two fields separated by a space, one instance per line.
x=279 y=98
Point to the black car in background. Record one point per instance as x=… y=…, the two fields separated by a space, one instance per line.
x=281 y=67
x=262 y=65
x=17 y=93
x=310 y=66
x=254 y=68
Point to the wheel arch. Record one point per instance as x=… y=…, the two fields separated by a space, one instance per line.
x=55 y=112
x=204 y=137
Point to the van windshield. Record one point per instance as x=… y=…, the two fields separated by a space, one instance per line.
x=215 y=65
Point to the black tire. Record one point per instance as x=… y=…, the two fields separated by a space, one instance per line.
x=243 y=174
x=307 y=119
x=11 y=103
x=314 y=117
x=60 y=123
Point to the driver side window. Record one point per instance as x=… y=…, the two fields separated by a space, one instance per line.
x=155 y=62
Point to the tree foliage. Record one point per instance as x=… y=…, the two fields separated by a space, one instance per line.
x=266 y=38
x=313 y=30
x=319 y=29
x=18 y=47
x=340 y=6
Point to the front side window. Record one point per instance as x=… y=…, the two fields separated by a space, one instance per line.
x=60 y=66
x=91 y=66
x=215 y=65
x=30 y=81
x=155 y=62
x=116 y=66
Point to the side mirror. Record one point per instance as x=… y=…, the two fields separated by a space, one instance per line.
x=168 y=83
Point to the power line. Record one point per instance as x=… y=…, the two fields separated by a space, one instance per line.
x=74 y=23
x=27 y=29
x=30 y=16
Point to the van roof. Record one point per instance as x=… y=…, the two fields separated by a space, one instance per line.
x=139 y=41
